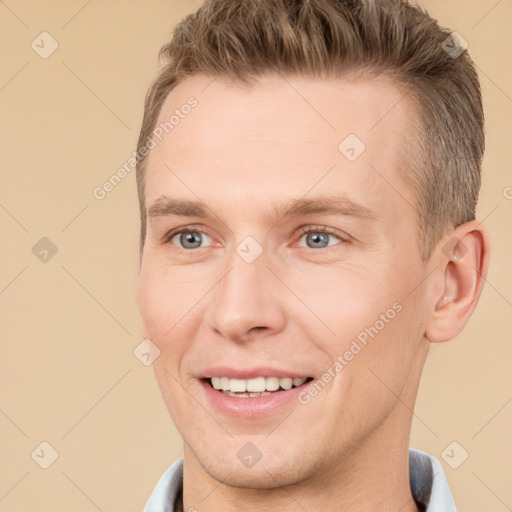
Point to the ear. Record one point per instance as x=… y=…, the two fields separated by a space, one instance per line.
x=464 y=258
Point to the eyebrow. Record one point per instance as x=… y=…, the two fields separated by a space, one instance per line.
x=334 y=205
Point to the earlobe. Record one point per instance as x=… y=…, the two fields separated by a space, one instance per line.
x=464 y=256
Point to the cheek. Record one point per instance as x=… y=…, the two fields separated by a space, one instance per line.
x=149 y=301
x=369 y=319
x=346 y=300
x=171 y=307
x=162 y=299
x=374 y=361
x=379 y=353
x=165 y=322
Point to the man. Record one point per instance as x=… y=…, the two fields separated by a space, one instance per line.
x=308 y=180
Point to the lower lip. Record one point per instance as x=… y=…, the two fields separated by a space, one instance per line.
x=247 y=407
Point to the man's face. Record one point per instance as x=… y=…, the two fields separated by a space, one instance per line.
x=252 y=293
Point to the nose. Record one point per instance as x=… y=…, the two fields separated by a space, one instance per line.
x=246 y=301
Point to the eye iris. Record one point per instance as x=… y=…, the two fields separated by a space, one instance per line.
x=315 y=237
x=187 y=238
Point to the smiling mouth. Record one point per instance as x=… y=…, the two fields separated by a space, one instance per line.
x=252 y=388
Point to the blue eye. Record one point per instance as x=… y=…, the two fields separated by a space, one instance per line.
x=318 y=237
x=189 y=238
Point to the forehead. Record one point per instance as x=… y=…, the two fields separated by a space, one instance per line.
x=282 y=131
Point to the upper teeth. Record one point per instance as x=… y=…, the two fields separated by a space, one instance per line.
x=258 y=384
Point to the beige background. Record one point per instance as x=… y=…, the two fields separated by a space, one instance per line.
x=68 y=375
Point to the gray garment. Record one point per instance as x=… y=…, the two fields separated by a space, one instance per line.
x=429 y=486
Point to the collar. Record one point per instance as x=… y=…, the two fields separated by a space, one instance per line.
x=429 y=486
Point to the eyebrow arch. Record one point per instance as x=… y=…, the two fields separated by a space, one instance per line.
x=335 y=205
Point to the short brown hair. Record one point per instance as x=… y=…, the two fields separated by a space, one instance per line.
x=245 y=39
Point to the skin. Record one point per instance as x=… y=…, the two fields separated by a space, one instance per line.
x=299 y=305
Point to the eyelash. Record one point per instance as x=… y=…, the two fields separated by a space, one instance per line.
x=300 y=233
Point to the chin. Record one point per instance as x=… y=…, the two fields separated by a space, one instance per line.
x=269 y=472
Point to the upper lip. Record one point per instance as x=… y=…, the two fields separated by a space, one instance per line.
x=249 y=373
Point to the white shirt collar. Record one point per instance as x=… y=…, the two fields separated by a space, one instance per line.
x=429 y=486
